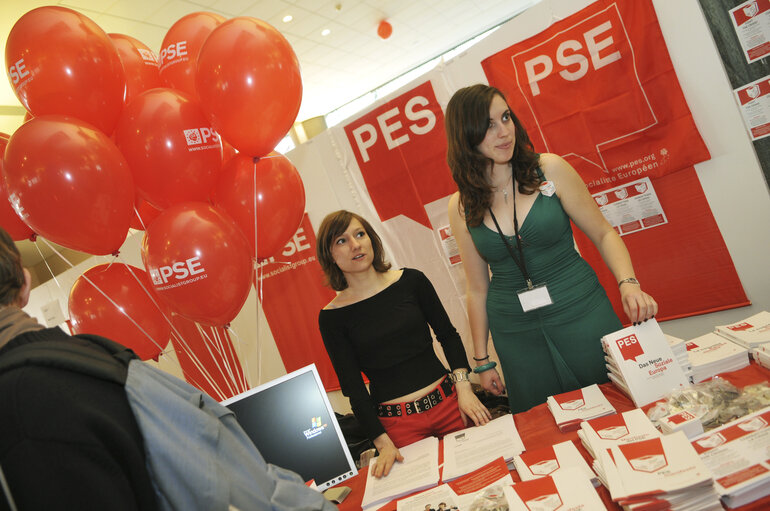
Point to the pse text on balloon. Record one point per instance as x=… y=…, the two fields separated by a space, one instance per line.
x=179 y=270
x=390 y=122
x=172 y=51
x=574 y=64
x=18 y=71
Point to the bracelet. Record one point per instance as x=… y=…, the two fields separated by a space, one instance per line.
x=480 y=359
x=485 y=367
x=459 y=376
x=630 y=280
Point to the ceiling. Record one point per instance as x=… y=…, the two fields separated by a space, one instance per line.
x=336 y=68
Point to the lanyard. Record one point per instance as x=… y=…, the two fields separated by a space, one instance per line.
x=520 y=262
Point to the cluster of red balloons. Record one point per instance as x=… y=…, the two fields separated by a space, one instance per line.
x=177 y=145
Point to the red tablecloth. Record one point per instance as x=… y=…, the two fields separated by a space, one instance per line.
x=537 y=429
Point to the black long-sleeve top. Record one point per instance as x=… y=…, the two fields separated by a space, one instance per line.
x=387 y=337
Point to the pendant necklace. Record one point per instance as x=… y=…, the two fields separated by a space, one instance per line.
x=505 y=188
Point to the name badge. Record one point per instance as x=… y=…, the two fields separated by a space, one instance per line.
x=534 y=298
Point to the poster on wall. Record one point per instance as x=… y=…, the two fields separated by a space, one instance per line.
x=291 y=289
x=599 y=89
x=631 y=207
x=754 y=101
x=751 y=21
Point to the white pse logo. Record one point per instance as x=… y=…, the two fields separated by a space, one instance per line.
x=179 y=270
x=18 y=71
x=201 y=138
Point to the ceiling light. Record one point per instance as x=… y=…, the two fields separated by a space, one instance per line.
x=325 y=32
x=288 y=18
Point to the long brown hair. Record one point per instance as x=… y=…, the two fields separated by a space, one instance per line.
x=467 y=121
x=332 y=226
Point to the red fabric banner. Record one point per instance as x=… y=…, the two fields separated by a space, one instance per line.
x=599 y=89
x=400 y=148
x=292 y=293
x=208 y=359
x=684 y=264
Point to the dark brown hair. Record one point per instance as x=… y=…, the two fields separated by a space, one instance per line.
x=332 y=226
x=467 y=121
x=11 y=271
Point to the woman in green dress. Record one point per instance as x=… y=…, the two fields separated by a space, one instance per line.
x=543 y=305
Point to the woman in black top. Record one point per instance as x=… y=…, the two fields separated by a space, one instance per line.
x=378 y=324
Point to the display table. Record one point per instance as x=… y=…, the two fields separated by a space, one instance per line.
x=538 y=429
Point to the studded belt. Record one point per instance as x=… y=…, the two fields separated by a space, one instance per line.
x=423 y=404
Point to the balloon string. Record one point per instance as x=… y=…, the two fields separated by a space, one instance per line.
x=136 y=211
x=258 y=344
x=207 y=342
x=198 y=364
x=222 y=343
x=118 y=307
x=47 y=265
x=236 y=356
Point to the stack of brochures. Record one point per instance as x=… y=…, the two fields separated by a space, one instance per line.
x=600 y=434
x=571 y=408
x=641 y=363
x=552 y=460
x=659 y=473
x=568 y=489
x=750 y=332
x=712 y=354
x=471 y=448
x=761 y=355
x=736 y=454
x=679 y=348
x=686 y=421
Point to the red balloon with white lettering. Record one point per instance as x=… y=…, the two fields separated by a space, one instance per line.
x=275 y=186
x=115 y=300
x=140 y=64
x=179 y=52
x=171 y=148
x=9 y=220
x=199 y=262
x=60 y=62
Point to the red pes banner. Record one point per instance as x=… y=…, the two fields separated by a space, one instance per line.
x=684 y=264
x=400 y=148
x=292 y=293
x=599 y=89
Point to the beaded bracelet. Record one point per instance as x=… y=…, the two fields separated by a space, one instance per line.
x=485 y=367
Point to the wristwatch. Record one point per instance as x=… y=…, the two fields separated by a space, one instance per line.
x=457 y=377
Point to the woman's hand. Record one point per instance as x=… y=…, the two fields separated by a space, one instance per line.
x=491 y=381
x=470 y=406
x=638 y=305
x=389 y=454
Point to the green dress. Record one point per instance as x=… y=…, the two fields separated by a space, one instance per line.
x=556 y=348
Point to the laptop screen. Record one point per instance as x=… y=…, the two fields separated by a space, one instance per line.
x=292 y=423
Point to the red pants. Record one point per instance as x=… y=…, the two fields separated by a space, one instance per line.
x=440 y=420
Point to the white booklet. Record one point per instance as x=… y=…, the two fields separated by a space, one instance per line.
x=418 y=471
x=738 y=454
x=552 y=460
x=471 y=448
x=711 y=354
x=569 y=409
x=568 y=489
x=645 y=361
x=604 y=432
x=749 y=332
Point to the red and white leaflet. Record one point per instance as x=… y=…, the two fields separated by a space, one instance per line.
x=751 y=21
x=569 y=409
x=568 y=489
x=552 y=460
x=738 y=454
x=658 y=466
x=602 y=433
x=645 y=361
x=712 y=354
x=687 y=421
x=749 y=332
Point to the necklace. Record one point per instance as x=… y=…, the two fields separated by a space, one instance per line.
x=504 y=189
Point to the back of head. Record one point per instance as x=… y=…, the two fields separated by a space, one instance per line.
x=11 y=270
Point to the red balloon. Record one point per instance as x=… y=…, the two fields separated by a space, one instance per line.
x=171 y=148
x=249 y=84
x=179 y=52
x=280 y=199
x=128 y=314
x=70 y=184
x=384 y=29
x=228 y=151
x=144 y=214
x=9 y=220
x=199 y=262
x=140 y=64
x=61 y=62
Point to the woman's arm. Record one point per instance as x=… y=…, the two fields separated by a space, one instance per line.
x=582 y=209
x=477 y=286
